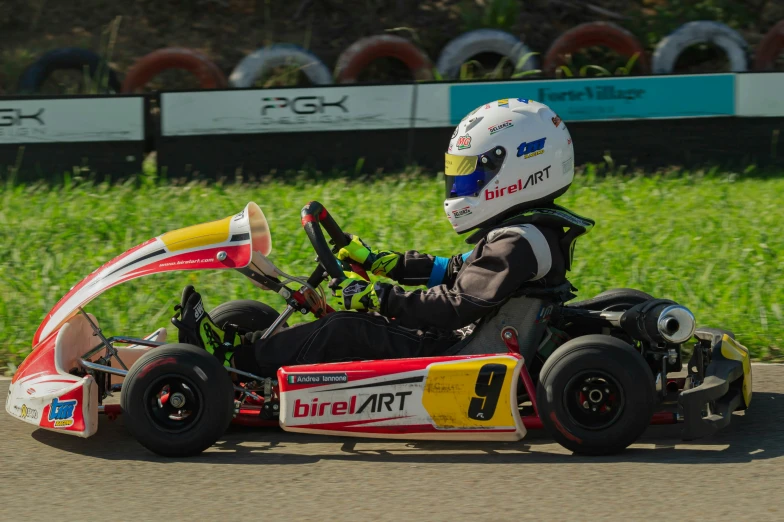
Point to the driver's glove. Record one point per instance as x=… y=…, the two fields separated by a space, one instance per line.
x=378 y=263
x=354 y=293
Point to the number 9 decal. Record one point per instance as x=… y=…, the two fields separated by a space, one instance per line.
x=488 y=387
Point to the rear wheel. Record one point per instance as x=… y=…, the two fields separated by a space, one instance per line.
x=177 y=400
x=247 y=314
x=595 y=395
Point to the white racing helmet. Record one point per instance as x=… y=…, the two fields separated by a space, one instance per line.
x=505 y=155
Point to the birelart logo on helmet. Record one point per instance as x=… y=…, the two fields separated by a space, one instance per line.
x=504 y=103
x=532 y=179
x=501 y=126
x=464 y=142
x=529 y=149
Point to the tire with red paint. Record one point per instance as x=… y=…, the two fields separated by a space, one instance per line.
x=366 y=50
x=470 y=44
x=770 y=48
x=177 y=400
x=592 y=34
x=206 y=72
x=596 y=395
x=670 y=48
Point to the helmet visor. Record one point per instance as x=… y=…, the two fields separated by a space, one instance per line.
x=466 y=175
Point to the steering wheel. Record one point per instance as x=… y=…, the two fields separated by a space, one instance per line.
x=314 y=216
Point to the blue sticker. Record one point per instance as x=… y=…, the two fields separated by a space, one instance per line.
x=529 y=149
x=611 y=98
x=62 y=412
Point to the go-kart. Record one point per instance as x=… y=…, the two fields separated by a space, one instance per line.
x=594 y=373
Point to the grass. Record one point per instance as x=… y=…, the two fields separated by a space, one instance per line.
x=710 y=241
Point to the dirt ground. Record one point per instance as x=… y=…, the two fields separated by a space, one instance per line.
x=227 y=30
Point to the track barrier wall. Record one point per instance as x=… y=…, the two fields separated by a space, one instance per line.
x=688 y=119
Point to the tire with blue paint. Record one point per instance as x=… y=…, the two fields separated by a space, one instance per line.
x=592 y=34
x=670 y=48
x=74 y=58
x=470 y=44
x=265 y=60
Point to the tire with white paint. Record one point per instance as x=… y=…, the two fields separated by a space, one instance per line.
x=470 y=44
x=670 y=48
x=264 y=60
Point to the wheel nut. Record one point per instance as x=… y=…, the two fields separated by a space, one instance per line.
x=585 y=388
x=607 y=391
x=593 y=409
x=275 y=407
x=177 y=400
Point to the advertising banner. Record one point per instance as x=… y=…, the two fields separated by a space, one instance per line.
x=759 y=94
x=68 y=120
x=609 y=98
x=287 y=110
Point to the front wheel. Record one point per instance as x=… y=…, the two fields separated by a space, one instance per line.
x=177 y=400
x=595 y=395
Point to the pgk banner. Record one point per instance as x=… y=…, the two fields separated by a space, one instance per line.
x=609 y=98
x=338 y=108
x=68 y=120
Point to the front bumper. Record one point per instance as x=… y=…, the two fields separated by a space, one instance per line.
x=724 y=388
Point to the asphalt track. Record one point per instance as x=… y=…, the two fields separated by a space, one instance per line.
x=258 y=475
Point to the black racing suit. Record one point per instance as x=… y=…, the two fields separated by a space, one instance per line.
x=419 y=323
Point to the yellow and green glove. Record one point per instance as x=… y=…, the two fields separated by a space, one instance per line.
x=378 y=263
x=354 y=293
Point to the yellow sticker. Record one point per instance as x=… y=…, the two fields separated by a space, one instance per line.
x=732 y=349
x=459 y=165
x=473 y=393
x=198 y=235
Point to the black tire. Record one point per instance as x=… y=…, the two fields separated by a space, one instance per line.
x=247 y=314
x=207 y=387
x=624 y=375
x=615 y=299
x=34 y=76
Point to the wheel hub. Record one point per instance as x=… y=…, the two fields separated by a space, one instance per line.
x=594 y=399
x=173 y=403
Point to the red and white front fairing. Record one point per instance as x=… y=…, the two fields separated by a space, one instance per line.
x=226 y=243
x=44 y=392
x=436 y=398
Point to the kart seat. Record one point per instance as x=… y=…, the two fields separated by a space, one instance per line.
x=527 y=312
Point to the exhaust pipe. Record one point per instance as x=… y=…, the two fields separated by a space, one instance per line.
x=676 y=324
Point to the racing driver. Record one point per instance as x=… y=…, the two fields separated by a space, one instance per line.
x=507 y=161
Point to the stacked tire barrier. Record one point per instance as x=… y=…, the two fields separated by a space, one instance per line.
x=359 y=55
